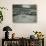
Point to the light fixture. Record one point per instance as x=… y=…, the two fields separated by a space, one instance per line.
x=7 y=28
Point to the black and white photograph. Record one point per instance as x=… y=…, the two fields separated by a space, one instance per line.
x=24 y=13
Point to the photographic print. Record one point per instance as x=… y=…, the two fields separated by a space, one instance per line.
x=24 y=13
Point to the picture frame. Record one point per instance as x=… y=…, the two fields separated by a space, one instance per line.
x=24 y=13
